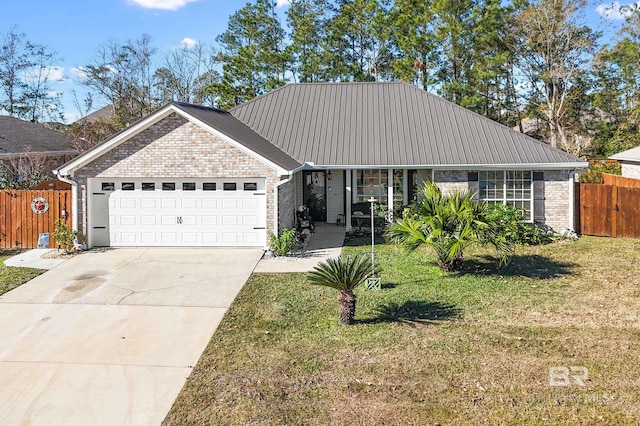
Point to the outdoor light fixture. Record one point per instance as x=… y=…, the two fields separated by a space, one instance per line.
x=329 y=175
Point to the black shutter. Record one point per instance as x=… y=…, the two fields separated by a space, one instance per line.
x=538 y=197
x=473 y=185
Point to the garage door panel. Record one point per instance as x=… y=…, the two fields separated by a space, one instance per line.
x=229 y=203
x=184 y=217
x=168 y=203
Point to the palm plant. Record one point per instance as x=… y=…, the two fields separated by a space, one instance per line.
x=344 y=274
x=449 y=224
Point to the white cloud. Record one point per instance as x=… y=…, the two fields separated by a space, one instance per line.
x=78 y=72
x=188 y=43
x=282 y=3
x=161 y=4
x=615 y=11
x=55 y=73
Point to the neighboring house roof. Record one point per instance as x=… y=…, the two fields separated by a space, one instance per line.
x=214 y=120
x=17 y=135
x=394 y=124
x=632 y=154
x=104 y=113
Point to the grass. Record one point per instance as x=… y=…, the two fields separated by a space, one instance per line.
x=473 y=347
x=11 y=277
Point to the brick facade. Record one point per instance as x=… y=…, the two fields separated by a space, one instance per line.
x=556 y=204
x=175 y=148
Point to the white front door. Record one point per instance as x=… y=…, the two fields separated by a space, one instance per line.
x=179 y=212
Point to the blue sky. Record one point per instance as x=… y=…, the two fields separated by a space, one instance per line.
x=75 y=28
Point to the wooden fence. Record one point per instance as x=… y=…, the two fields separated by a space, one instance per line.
x=609 y=211
x=615 y=180
x=24 y=215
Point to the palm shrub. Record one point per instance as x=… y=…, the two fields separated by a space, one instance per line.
x=344 y=274
x=449 y=224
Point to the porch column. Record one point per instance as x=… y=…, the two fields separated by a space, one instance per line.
x=405 y=187
x=349 y=199
x=390 y=190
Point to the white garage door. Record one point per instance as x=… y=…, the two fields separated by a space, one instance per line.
x=172 y=212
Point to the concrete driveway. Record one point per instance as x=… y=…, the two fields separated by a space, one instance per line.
x=109 y=338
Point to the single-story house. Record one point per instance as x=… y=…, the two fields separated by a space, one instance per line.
x=22 y=143
x=630 y=161
x=189 y=175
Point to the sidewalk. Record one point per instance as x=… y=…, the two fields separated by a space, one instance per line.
x=326 y=242
x=33 y=259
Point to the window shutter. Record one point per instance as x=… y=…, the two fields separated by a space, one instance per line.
x=538 y=197
x=473 y=184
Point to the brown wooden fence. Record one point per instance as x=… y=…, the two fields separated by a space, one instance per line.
x=24 y=215
x=609 y=211
x=615 y=180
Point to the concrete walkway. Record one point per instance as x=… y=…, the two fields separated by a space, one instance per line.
x=33 y=259
x=326 y=242
x=109 y=338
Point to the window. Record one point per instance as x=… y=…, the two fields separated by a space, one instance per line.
x=128 y=186
x=188 y=186
x=108 y=186
x=398 y=187
x=209 y=186
x=168 y=186
x=250 y=186
x=229 y=186
x=512 y=188
x=371 y=183
x=148 y=186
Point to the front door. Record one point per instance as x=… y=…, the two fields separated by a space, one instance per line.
x=314 y=193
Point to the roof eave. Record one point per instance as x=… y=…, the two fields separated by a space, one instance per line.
x=583 y=165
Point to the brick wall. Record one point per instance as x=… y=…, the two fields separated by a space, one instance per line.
x=631 y=170
x=174 y=147
x=450 y=180
x=556 y=194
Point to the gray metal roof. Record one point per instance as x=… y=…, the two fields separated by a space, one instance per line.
x=227 y=124
x=632 y=154
x=17 y=135
x=386 y=124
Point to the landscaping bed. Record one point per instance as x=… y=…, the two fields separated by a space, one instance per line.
x=472 y=347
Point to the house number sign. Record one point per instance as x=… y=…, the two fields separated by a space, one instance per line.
x=39 y=205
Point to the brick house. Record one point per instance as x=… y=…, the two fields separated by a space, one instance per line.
x=630 y=162
x=188 y=175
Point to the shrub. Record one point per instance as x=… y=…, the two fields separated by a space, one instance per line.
x=283 y=244
x=513 y=228
x=64 y=236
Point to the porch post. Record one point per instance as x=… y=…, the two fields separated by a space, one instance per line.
x=405 y=187
x=349 y=199
x=390 y=191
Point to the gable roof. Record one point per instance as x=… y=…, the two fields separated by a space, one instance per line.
x=17 y=135
x=632 y=154
x=389 y=124
x=213 y=120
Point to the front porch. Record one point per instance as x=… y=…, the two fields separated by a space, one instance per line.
x=338 y=196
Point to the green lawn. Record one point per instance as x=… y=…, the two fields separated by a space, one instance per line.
x=431 y=348
x=10 y=277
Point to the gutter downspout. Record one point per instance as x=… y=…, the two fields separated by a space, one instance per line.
x=572 y=201
x=74 y=198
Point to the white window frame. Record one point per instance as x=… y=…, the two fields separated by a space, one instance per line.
x=504 y=199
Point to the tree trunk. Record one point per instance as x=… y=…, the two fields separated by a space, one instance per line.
x=347 y=303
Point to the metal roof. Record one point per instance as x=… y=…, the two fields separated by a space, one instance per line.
x=17 y=135
x=632 y=154
x=227 y=124
x=387 y=124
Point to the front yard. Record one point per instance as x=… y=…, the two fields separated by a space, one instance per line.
x=10 y=277
x=431 y=348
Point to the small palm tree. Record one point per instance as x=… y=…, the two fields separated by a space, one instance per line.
x=449 y=224
x=344 y=274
